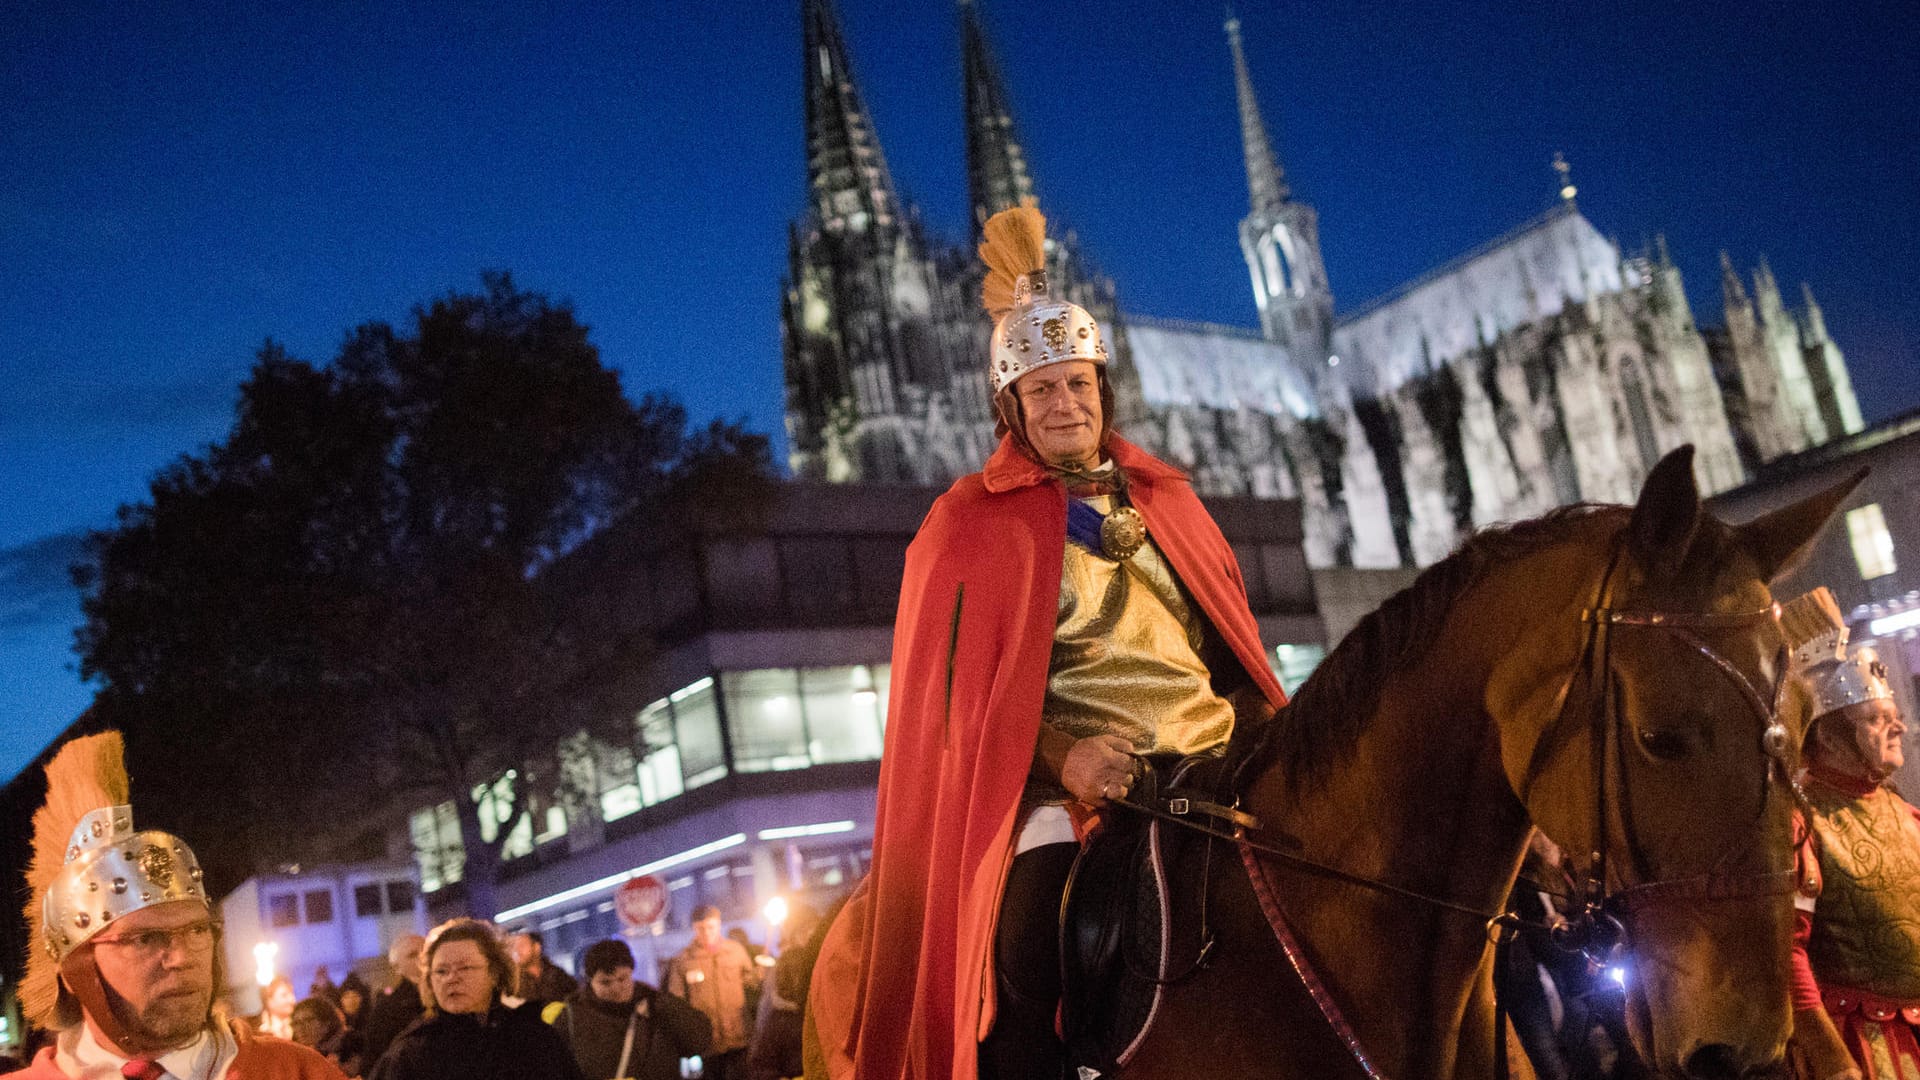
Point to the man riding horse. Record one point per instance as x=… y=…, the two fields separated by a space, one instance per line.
x=1066 y=612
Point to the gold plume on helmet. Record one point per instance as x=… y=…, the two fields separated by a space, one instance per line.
x=1015 y=245
x=1815 y=629
x=85 y=775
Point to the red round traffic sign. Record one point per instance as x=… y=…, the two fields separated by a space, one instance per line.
x=641 y=901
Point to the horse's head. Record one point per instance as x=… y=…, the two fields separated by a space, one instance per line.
x=1661 y=765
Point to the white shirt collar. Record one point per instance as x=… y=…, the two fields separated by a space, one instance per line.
x=80 y=1055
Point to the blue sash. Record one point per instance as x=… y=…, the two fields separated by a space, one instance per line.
x=1083 y=526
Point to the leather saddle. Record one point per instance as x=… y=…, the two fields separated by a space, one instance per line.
x=1130 y=921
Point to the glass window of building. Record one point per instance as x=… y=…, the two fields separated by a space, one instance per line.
x=659 y=769
x=366 y=901
x=1293 y=663
x=399 y=896
x=283 y=910
x=519 y=839
x=696 y=722
x=763 y=716
x=619 y=791
x=437 y=849
x=843 y=707
x=320 y=906
x=1872 y=543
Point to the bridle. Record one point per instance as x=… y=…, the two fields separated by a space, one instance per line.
x=1599 y=929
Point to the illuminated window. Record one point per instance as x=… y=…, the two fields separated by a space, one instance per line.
x=619 y=793
x=437 y=850
x=659 y=768
x=696 y=721
x=1293 y=663
x=844 y=707
x=763 y=716
x=1872 y=544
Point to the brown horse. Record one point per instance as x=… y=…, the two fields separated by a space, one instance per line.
x=1608 y=674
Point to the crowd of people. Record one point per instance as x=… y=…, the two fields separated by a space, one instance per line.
x=470 y=1000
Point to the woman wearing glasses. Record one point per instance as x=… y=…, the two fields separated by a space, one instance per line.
x=467 y=1033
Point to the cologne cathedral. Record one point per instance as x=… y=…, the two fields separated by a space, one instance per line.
x=1545 y=367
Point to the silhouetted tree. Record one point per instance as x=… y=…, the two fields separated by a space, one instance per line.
x=346 y=605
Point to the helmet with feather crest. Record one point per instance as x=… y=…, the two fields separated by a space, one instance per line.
x=1838 y=677
x=91 y=869
x=1032 y=328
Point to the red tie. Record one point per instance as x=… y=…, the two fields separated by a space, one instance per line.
x=142 y=1069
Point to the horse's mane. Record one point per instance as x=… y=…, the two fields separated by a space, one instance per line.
x=1327 y=714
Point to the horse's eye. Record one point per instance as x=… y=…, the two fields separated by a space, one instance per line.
x=1665 y=744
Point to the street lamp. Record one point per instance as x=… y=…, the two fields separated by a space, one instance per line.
x=263 y=955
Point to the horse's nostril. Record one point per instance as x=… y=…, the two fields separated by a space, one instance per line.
x=1715 y=1061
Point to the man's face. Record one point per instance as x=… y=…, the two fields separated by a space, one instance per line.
x=706 y=932
x=405 y=957
x=1877 y=729
x=523 y=948
x=157 y=964
x=281 y=1001
x=614 y=986
x=1061 y=407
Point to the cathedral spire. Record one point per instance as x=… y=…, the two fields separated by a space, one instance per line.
x=997 y=176
x=847 y=175
x=1280 y=238
x=1266 y=183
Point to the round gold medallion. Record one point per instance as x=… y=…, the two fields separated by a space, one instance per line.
x=1122 y=533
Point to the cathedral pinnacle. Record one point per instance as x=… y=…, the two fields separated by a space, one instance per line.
x=997 y=176
x=1266 y=182
x=847 y=177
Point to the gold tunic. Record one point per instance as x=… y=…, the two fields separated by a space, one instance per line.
x=1866 y=928
x=1127 y=656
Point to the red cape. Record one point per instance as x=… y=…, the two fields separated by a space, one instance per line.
x=903 y=988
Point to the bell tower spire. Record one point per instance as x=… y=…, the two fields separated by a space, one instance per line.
x=997 y=176
x=1280 y=237
x=847 y=177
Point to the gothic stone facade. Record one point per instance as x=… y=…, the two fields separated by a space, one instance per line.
x=1544 y=368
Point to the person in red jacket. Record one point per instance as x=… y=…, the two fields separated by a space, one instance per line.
x=126 y=959
x=1065 y=611
x=1856 y=945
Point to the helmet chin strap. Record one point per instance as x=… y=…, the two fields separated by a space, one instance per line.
x=103 y=1008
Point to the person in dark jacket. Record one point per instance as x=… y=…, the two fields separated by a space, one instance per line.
x=467 y=1033
x=540 y=981
x=775 y=1053
x=622 y=1028
x=398 y=1005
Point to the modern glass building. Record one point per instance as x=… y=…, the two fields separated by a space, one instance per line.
x=750 y=767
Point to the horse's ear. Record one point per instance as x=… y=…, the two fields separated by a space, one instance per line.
x=1665 y=518
x=1778 y=541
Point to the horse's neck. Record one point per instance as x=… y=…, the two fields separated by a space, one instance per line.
x=1422 y=804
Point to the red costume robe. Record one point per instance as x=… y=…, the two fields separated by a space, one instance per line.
x=903 y=987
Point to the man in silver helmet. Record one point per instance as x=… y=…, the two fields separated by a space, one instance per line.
x=125 y=965
x=1064 y=612
x=1856 y=955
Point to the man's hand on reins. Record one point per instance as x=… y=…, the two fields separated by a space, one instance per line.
x=1098 y=768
